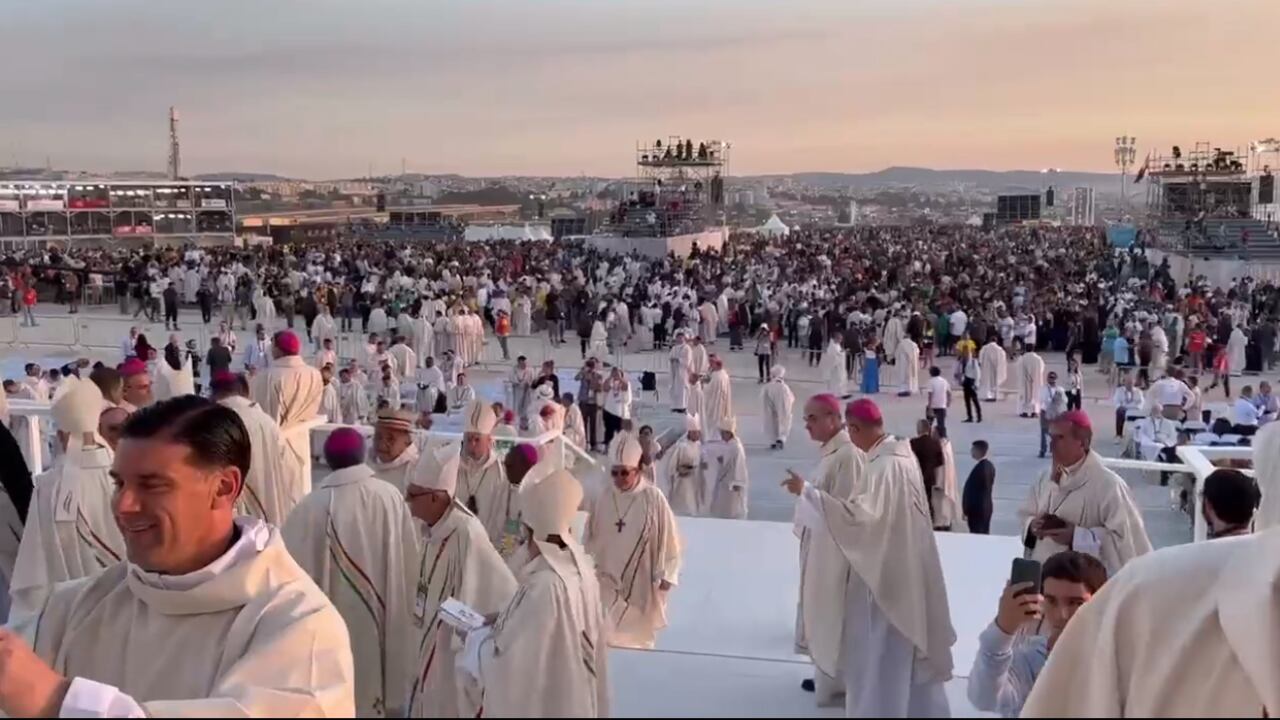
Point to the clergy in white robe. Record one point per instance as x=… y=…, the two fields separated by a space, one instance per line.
x=832 y=369
x=1188 y=631
x=210 y=616
x=546 y=655
x=394 y=453
x=289 y=391
x=456 y=561
x=681 y=360
x=632 y=534
x=897 y=633
x=521 y=381
x=424 y=337
x=70 y=532
x=682 y=471
x=1080 y=504
x=824 y=571
x=323 y=328
x=352 y=399
x=1030 y=383
x=330 y=407
x=170 y=383
x=729 y=481
x=945 y=499
x=270 y=491
x=993 y=366
x=907 y=362
x=482 y=481
x=523 y=317
x=717 y=394
x=894 y=332
x=778 y=403
x=406 y=360
x=575 y=429
x=326 y=355
x=354 y=536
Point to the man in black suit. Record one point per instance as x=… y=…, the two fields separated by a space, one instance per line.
x=975 y=501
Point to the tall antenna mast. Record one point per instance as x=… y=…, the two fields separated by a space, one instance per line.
x=175 y=152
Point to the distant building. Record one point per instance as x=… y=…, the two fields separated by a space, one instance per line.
x=1082 y=206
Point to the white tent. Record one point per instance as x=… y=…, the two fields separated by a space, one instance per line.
x=526 y=231
x=774 y=227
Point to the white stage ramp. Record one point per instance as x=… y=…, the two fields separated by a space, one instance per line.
x=728 y=650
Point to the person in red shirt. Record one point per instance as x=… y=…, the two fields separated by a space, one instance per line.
x=1196 y=341
x=28 y=304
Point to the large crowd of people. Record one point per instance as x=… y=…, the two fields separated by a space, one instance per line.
x=177 y=559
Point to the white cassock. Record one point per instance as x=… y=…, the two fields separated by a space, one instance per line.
x=456 y=561
x=599 y=343
x=682 y=477
x=729 y=499
x=575 y=429
x=326 y=357
x=779 y=402
x=1188 y=631
x=897 y=633
x=172 y=383
x=190 y=285
x=424 y=337
x=893 y=334
x=945 y=501
x=993 y=369
x=681 y=359
x=1236 y=344
x=632 y=558
x=696 y=400
x=461 y=395
x=406 y=360
x=70 y=531
x=523 y=317
x=907 y=360
x=354 y=402
x=289 y=392
x=1097 y=501
x=270 y=491
x=378 y=320
x=323 y=328
x=247 y=636
x=1030 y=382
x=521 y=380
x=399 y=470
x=832 y=370
x=330 y=407
x=824 y=571
x=553 y=623
x=483 y=489
x=718 y=398
x=443 y=327
x=354 y=536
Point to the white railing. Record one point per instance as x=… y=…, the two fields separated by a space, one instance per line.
x=1197 y=461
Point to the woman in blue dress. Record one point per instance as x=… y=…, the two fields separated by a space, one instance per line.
x=871 y=369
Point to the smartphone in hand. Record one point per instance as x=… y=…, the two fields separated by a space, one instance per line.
x=1025 y=571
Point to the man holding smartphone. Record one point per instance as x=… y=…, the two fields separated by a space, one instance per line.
x=1004 y=670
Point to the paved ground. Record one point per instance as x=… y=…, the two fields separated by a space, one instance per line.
x=1014 y=441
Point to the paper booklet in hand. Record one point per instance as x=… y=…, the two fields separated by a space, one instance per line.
x=460 y=616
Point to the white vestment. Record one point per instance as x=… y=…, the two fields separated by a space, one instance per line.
x=896 y=649
x=636 y=545
x=406 y=360
x=521 y=381
x=555 y=624
x=682 y=477
x=1097 y=501
x=717 y=399
x=946 y=500
x=1188 y=631
x=70 y=531
x=289 y=392
x=823 y=568
x=574 y=427
x=172 y=383
x=993 y=367
x=832 y=370
x=483 y=489
x=399 y=470
x=907 y=360
x=247 y=636
x=354 y=536
x=893 y=334
x=330 y=406
x=778 y=404
x=1236 y=344
x=730 y=481
x=424 y=338
x=456 y=561
x=681 y=359
x=270 y=490
x=323 y=328
x=354 y=402
x=1030 y=382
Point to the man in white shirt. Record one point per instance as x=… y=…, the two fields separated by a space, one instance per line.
x=959 y=323
x=1053 y=401
x=1244 y=414
x=939 y=394
x=1171 y=396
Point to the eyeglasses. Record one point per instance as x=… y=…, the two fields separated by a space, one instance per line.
x=620 y=472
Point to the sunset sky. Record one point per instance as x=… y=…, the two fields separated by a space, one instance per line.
x=323 y=88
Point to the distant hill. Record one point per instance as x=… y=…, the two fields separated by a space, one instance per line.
x=494 y=195
x=244 y=176
x=994 y=180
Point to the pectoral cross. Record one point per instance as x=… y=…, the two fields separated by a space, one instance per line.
x=621 y=524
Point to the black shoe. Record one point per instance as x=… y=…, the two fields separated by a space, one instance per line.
x=807 y=685
x=1041 y=455
x=967 y=420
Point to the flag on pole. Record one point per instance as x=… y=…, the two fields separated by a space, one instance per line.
x=1142 y=171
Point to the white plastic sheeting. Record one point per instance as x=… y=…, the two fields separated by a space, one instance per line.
x=525 y=231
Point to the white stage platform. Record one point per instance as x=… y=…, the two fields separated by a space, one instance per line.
x=728 y=650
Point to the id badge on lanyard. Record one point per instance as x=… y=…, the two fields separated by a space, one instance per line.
x=420 y=605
